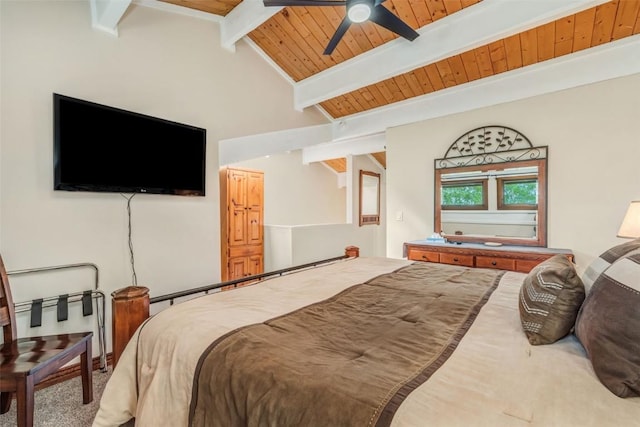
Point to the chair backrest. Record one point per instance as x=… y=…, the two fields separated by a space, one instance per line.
x=7 y=309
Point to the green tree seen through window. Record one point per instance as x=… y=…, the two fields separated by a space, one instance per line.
x=520 y=192
x=463 y=194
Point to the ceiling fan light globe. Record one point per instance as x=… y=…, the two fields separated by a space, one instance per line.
x=359 y=12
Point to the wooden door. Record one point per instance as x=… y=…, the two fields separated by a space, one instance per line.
x=237 y=207
x=238 y=268
x=254 y=205
x=255 y=264
x=241 y=218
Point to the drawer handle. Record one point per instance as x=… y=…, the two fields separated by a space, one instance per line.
x=455 y=259
x=494 y=263
x=424 y=257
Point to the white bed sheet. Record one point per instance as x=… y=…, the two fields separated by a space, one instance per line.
x=494 y=378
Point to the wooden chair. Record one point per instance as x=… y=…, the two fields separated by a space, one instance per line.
x=25 y=362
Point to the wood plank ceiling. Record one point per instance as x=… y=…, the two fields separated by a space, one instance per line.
x=295 y=38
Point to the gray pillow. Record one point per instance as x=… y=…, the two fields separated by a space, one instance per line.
x=605 y=259
x=608 y=326
x=550 y=298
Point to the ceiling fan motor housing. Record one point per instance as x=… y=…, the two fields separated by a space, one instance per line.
x=359 y=10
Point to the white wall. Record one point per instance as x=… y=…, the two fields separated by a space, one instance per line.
x=298 y=194
x=286 y=246
x=162 y=64
x=593 y=166
x=278 y=252
x=379 y=239
x=330 y=240
x=308 y=217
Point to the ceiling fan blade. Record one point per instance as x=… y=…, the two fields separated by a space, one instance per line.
x=342 y=28
x=383 y=17
x=268 y=3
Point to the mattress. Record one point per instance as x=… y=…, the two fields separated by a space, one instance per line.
x=494 y=377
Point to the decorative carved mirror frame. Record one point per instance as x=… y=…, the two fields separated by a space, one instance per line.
x=494 y=148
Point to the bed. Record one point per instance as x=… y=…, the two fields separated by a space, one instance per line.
x=485 y=372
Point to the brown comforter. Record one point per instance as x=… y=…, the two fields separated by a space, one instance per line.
x=348 y=360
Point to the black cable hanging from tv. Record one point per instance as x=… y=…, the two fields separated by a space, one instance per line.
x=134 y=278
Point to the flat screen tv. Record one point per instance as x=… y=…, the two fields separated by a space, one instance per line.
x=106 y=149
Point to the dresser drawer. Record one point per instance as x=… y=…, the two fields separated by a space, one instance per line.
x=510 y=258
x=422 y=255
x=525 y=266
x=495 y=262
x=466 y=260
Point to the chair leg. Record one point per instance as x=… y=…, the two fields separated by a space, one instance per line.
x=86 y=363
x=24 y=400
x=5 y=402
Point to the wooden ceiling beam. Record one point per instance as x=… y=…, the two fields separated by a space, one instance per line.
x=243 y=19
x=478 y=25
x=619 y=58
x=353 y=147
x=178 y=9
x=235 y=150
x=612 y=60
x=105 y=14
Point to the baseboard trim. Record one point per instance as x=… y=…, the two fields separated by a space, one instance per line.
x=71 y=371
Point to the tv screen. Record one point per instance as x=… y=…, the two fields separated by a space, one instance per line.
x=106 y=149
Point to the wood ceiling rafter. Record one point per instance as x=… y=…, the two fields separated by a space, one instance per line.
x=589 y=28
x=294 y=37
x=339 y=165
x=381 y=157
x=454 y=34
x=217 y=7
x=321 y=22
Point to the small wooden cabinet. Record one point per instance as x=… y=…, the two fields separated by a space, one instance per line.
x=513 y=258
x=241 y=219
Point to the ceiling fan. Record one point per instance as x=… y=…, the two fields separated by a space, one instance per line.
x=357 y=11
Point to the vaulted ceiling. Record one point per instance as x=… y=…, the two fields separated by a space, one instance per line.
x=372 y=69
x=295 y=37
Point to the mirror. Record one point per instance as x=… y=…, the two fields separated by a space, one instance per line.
x=369 y=198
x=491 y=188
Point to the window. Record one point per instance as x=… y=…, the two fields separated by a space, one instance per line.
x=470 y=195
x=518 y=193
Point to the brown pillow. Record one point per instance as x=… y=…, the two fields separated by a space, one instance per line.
x=608 y=326
x=605 y=259
x=550 y=298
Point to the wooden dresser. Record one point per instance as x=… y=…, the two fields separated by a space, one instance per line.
x=514 y=258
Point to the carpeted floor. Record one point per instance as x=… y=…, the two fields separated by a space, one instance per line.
x=61 y=405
